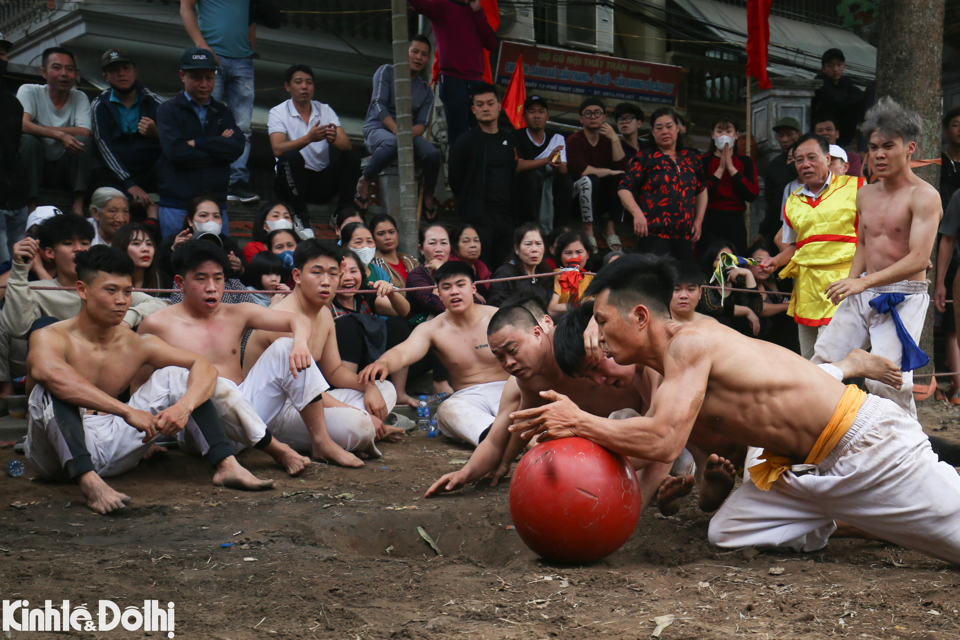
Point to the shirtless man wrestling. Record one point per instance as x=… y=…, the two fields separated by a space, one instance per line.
x=88 y=361
x=459 y=336
x=899 y=216
x=353 y=413
x=831 y=453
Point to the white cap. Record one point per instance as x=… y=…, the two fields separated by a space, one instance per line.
x=42 y=213
x=836 y=151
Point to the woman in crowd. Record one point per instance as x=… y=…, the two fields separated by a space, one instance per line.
x=397 y=265
x=266 y=272
x=136 y=240
x=551 y=259
x=736 y=309
x=345 y=217
x=273 y=215
x=465 y=243
x=109 y=211
x=568 y=288
x=203 y=218
x=357 y=237
x=731 y=184
x=665 y=191
x=528 y=248
x=775 y=325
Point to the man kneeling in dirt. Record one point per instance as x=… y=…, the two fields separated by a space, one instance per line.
x=77 y=426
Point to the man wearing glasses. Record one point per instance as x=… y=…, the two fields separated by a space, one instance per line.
x=629 y=119
x=596 y=160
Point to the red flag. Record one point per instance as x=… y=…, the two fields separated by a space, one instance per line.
x=515 y=97
x=493 y=17
x=758 y=40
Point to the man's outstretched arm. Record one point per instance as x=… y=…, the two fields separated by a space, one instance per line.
x=411 y=350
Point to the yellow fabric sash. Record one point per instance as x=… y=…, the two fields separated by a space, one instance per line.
x=772 y=467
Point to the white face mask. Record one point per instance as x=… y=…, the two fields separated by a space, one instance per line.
x=724 y=141
x=283 y=223
x=366 y=254
x=210 y=226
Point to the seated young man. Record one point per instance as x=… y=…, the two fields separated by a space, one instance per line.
x=285 y=373
x=352 y=411
x=459 y=337
x=686 y=292
x=79 y=429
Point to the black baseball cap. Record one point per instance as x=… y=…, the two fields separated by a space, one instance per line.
x=628 y=107
x=112 y=56
x=832 y=54
x=6 y=44
x=197 y=58
x=532 y=100
x=591 y=102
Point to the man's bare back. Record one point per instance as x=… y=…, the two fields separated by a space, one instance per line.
x=463 y=348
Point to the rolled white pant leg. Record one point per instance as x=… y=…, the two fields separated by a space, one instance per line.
x=469 y=412
x=239 y=418
x=270 y=384
x=350 y=428
x=354 y=398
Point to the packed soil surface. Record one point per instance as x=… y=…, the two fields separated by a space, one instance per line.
x=337 y=554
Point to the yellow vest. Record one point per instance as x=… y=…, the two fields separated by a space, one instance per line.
x=826 y=229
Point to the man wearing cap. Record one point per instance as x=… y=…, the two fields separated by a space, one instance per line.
x=199 y=140
x=13 y=184
x=224 y=28
x=125 y=130
x=838 y=160
x=596 y=162
x=829 y=128
x=778 y=175
x=543 y=185
x=55 y=148
x=838 y=98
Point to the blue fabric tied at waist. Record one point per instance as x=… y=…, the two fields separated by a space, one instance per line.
x=913 y=356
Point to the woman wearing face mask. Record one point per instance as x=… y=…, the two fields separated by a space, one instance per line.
x=282 y=243
x=397 y=265
x=731 y=183
x=528 y=248
x=136 y=240
x=203 y=219
x=357 y=237
x=568 y=287
x=273 y=215
x=466 y=248
x=109 y=211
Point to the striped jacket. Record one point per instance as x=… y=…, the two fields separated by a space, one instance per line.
x=125 y=154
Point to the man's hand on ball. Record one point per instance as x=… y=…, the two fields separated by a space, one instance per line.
x=559 y=419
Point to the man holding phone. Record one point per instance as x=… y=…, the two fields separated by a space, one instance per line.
x=315 y=160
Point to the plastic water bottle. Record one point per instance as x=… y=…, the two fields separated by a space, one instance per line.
x=434 y=429
x=423 y=414
x=15 y=468
x=436 y=399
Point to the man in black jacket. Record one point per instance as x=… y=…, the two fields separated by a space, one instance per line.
x=777 y=176
x=199 y=139
x=13 y=182
x=125 y=130
x=838 y=97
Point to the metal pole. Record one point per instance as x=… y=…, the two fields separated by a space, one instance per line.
x=401 y=80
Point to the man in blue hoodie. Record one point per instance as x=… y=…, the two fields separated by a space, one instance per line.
x=199 y=138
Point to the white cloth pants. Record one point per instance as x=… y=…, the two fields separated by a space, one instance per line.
x=469 y=412
x=808 y=339
x=856 y=325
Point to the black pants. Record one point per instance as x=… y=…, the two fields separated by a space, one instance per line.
x=529 y=186
x=723 y=225
x=353 y=346
x=300 y=186
x=496 y=238
x=679 y=248
x=598 y=197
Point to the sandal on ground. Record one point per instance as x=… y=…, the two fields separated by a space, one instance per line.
x=359 y=202
x=613 y=243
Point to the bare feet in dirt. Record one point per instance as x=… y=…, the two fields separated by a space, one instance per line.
x=407 y=400
x=718 y=479
x=290 y=460
x=99 y=495
x=877 y=368
x=390 y=434
x=672 y=489
x=232 y=475
x=155 y=450
x=333 y=453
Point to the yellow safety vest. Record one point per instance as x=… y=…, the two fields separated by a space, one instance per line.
x=826 y=229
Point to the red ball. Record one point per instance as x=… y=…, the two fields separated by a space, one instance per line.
x=574 y=501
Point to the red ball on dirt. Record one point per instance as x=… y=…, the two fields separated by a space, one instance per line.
x=574 y=501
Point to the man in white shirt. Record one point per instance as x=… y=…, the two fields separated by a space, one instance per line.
x=315 y=160
x=544 y=189
x=56 y=148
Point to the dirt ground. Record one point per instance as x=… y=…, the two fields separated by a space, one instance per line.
x=337 y=554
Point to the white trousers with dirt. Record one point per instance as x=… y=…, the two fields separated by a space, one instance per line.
x=466 y=414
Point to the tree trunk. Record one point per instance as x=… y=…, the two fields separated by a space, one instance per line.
x=909 y=63
x=408 y=181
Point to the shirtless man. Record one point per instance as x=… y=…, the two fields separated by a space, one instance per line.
x=203 y=324
x=459 y=336
x=88 y=361
x=899 y=216
x=353 y=412
x=830 y=452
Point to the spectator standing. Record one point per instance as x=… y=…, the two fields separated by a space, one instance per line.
x=666 y=192
x=315 y=160
x=596 y=162
x=838 y=98
x=462 y=33
x=125 y=131
x=731 y=183
x=13 y=182
x=950 y=158
x=55 y=147
x=380 y=127
x=529 y=251
x=109 y=210
x=947 y=253
x=199 y=140
x=827 y=127
x=223 y=27
x=544 y=189
x=778 y=175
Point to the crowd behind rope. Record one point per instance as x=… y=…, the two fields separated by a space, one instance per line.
x=309 y=345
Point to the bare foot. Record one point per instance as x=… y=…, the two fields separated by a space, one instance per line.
x=718 y=479
x=154 y=450
x=232 y=475
x=100 y=496
x=332 y=453
x=391 y=434
x=290 y=460
x=876 y=368
x=407 y=400
x=670 y=492
x=442 y=386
